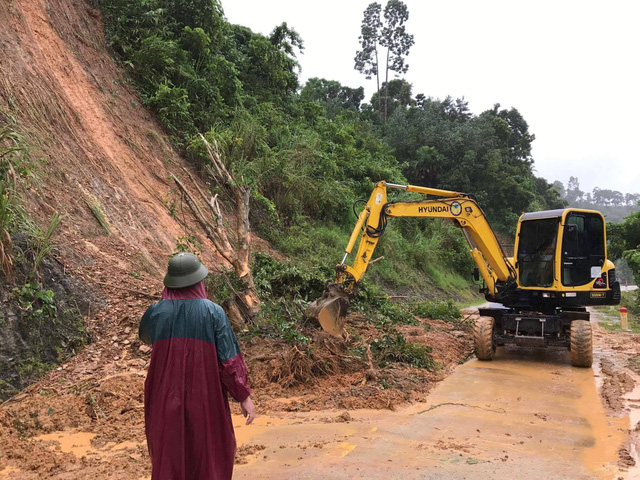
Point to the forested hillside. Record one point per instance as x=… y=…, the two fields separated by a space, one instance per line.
x=614 y=205
x=309 y=151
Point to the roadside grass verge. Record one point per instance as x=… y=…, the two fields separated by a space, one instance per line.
x=610 y=314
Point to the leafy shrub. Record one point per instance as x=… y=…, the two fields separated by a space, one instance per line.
x=447 y=310
x=631 y=301
x=393 y=347
x=280 y=318
x=375 y=304
x=36 y=302
x=283 y=280
x=172 y=103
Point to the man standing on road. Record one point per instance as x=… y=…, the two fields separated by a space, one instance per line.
x=195 y=361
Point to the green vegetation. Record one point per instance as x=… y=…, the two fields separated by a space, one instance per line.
x=39 y=241
x=624 y=243
x=308 y=152
x=94 y=206
x=447 y=310
x=383 y=36
x=40 y=319
x=395 y=348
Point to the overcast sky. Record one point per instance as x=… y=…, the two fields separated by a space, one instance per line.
x=572 y=69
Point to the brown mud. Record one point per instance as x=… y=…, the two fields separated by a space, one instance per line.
x=86 y=419
x=525 y=415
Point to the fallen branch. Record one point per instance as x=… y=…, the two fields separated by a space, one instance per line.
x=245 y=304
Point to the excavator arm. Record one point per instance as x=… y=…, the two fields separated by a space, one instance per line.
x=460 y=208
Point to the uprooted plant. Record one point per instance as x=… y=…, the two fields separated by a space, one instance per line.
x=242 y=305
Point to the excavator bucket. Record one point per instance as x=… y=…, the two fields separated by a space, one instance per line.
x=330 y=310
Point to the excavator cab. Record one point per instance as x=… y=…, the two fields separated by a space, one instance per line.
x=561 y=260
x=583 y=248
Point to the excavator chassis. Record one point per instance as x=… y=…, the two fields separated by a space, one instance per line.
x=568 y=328
x=533 y=329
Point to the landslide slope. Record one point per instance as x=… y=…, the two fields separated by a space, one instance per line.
x=95 y=153
x=63 y=91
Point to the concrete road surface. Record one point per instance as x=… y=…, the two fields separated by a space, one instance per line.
x=526 y=415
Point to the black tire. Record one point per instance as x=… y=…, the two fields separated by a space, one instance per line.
x=581 y=344
x=483 y=338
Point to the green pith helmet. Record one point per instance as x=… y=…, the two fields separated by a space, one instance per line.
x=184 y=270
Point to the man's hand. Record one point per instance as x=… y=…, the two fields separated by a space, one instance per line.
x=248 y=409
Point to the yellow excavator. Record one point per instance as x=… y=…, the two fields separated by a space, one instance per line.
x=540 y=295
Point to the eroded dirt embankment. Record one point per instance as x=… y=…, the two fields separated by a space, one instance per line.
x=95 y=152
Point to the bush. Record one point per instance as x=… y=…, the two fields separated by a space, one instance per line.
x=447 y=310
x=376 y=306
x=276 y=279
x=172 y=103
x=393 y=347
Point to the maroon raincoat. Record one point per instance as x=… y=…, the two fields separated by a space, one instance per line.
x=195 y=361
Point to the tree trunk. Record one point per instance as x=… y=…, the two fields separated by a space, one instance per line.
x=378 y=82
x=386 y=87
x=244 y=305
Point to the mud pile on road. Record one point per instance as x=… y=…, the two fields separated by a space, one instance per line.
x=618 y=369
x=344 y=373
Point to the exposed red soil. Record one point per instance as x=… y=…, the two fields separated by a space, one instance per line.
x=101 y=391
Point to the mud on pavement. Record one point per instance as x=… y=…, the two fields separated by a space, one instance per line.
x=617 y=370
x=526 y=414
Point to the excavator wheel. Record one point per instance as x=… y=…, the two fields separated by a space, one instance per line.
x=581 y=344
x=483 y=338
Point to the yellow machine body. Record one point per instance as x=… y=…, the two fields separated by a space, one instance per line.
x=559 y=260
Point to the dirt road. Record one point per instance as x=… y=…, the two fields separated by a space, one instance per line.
x=524 y=415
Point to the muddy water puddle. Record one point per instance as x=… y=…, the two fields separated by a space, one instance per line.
x=79 y=444
x=525 y=414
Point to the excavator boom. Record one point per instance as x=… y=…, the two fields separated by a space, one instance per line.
x=462 y=209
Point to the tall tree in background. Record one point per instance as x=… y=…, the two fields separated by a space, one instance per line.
x=389 y=33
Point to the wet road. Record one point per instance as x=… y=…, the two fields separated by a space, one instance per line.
x=526 y=415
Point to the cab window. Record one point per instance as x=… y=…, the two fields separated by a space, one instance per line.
x=536 y=252
x=582 y=247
